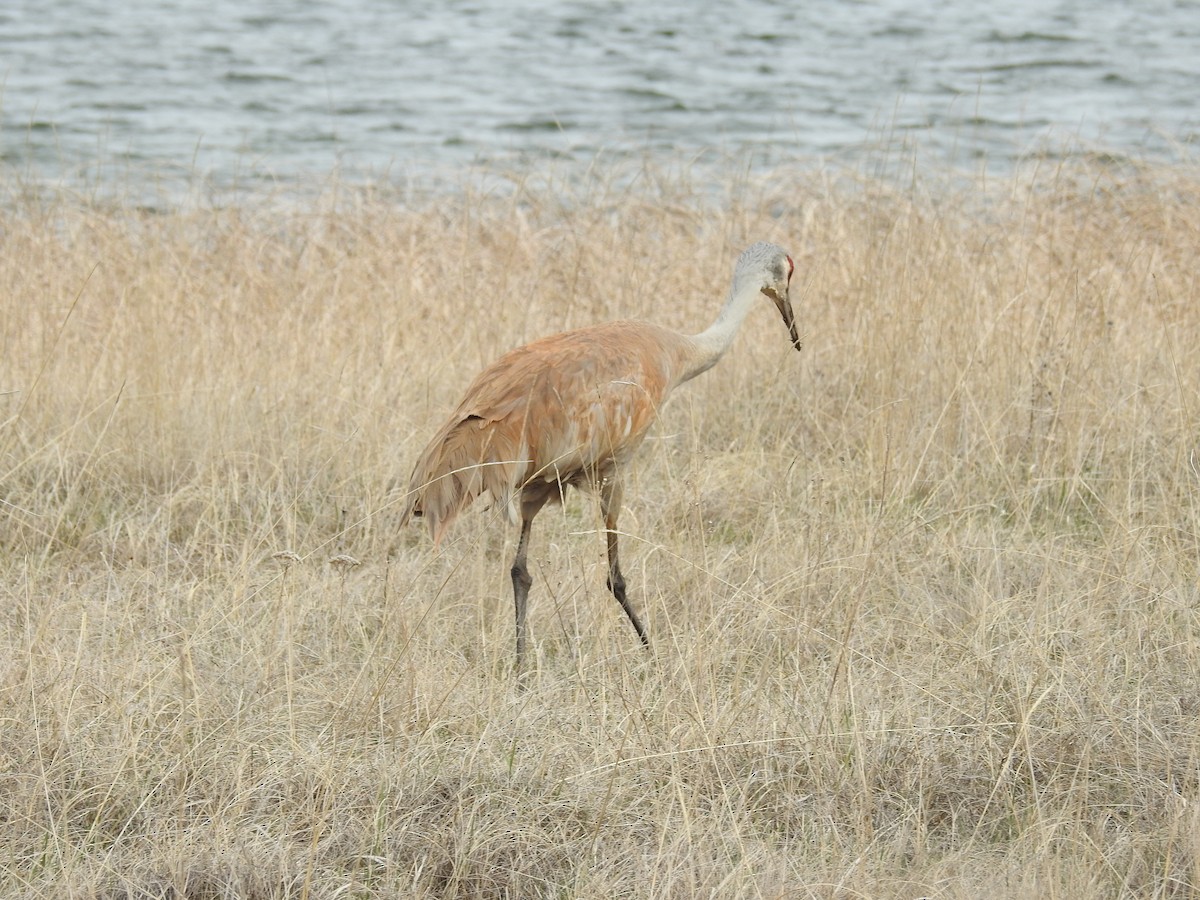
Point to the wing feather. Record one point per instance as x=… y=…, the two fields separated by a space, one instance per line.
x=564 y=409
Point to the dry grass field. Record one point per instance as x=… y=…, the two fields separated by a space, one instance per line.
x=923 y=598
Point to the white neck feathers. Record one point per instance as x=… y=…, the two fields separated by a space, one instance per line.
x=711 y=344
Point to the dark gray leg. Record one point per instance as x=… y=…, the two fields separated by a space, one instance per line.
x=521 y=578
x=610 y=506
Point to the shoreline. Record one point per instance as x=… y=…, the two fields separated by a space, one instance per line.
x=888 y=157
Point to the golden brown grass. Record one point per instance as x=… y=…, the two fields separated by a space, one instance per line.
x=923 y=598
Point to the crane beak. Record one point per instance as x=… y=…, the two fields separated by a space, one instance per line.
x=784 y=305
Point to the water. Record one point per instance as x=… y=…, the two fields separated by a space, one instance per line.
x=292 y=90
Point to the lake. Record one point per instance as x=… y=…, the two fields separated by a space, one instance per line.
x=272 y=92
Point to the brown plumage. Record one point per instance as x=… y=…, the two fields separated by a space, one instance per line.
x=571 y=409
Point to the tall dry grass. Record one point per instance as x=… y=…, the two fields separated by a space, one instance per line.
x=923 y=598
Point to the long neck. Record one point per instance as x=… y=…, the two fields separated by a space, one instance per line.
x=710 y=345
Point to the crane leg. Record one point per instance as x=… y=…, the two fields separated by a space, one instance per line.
x=521 y=578
x=610 y=505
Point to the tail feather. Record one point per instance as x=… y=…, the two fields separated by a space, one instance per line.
x=466 y=459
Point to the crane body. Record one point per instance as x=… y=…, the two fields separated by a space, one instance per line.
x=570 y=410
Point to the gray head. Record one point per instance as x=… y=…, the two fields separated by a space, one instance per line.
x=768 y=268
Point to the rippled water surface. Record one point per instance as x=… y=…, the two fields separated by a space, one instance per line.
x=291 y=89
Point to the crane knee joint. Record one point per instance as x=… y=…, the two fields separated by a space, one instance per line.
x=522 y=577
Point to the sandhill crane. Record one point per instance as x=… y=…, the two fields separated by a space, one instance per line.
x=571 y=409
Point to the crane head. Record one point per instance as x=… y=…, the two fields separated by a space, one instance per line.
x=778 y=279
